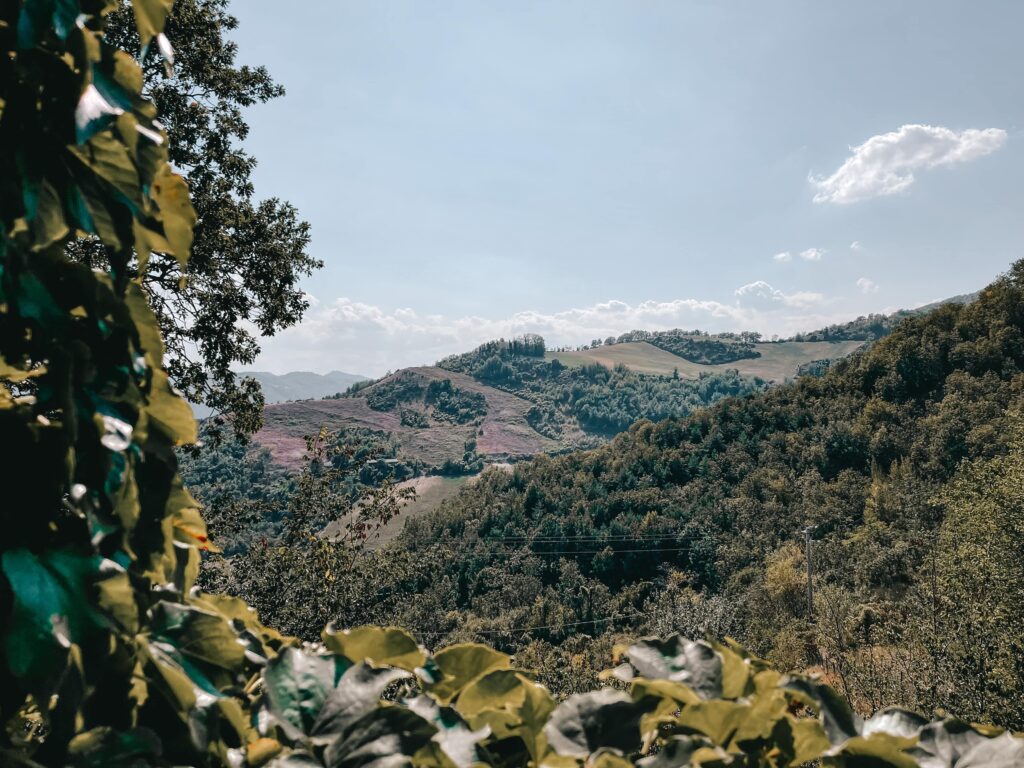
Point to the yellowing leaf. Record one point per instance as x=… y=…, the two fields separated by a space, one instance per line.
x=176 y=212
x=169 y=411
x=379 y=645
x=461 y=665
x=150 y=17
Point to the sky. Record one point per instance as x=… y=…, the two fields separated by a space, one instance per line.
x=581 y=168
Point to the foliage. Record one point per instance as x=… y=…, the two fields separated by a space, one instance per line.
x=248 y=255
x=704 y=350
x=449 y=403
x=864 y=453
x=403 y=387
x=979 y=567
x=874 y=326
x=694 y=525
x=248 y=498
x=101 y=542
x=599 y=400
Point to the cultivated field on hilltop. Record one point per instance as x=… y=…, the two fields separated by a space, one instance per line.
x=778 y=361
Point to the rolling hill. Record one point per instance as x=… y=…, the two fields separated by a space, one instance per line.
x=776 y=361
x=507 y=401
x=500 y=431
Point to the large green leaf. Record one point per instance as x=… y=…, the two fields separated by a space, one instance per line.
x=586 y=722
x=296 y=759
x=296 y=684
x=838 y=719
x=514 y=708
x=389 y=646
x=203 y=636
x=108 y=748
x=695 y=664
x=145 y=323
x=52 y=609
x=681 y=751
x=170 y=193
x=454 y=738
x=357 y=693
x=383 y=738
x=954 y=744
x=150 y=17
x=461 y=665
x=169 y=411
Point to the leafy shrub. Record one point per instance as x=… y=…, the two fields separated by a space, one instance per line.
x=410 y=417
x=450 y=403
x=387 y=395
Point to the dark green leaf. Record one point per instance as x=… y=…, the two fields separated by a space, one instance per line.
x=297 y=684
x=583 y=723
x=357 y=693
x=386 y=737
x=696 y=664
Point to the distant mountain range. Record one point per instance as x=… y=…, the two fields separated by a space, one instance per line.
x=302 y=385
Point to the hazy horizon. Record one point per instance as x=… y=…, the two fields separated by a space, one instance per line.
x=581 y=169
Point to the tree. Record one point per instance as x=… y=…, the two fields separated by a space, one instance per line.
x=248 y=255
x=980 y=570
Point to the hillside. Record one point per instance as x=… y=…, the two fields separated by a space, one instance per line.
x=872 y=327
x=775 y=361
x=542 y=401
x=708 y=511
x=448 y=420
x=906 y=460
x=498 y=427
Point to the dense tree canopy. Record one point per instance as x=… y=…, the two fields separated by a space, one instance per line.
x=694 y=525
x=248 y=255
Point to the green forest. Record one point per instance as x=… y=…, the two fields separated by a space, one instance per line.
x=649 y=602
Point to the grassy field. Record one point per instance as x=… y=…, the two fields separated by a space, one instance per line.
x=778 y=361
x=431 y=491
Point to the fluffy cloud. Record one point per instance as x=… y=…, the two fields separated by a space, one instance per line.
x=856 y=246
x=812 y=254
x=783 y=257
x=885 y=164
x=867 y=286
x=761 y=295
x=362 y=338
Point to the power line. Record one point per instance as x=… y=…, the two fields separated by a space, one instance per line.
x=617 y=537
x=579 y=551
x=515 y=630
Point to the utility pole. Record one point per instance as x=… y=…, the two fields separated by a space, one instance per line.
x=810 y=572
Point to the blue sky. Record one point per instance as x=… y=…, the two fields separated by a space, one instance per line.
x=473 y=169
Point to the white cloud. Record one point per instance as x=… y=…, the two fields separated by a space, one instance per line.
x=867 y=286
x=363 y=338
x=885 y=164
x=856 y=246
x=813 y=254
x=761 y=295
x=783 y=257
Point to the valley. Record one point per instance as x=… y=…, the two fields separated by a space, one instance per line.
x=527 y=410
